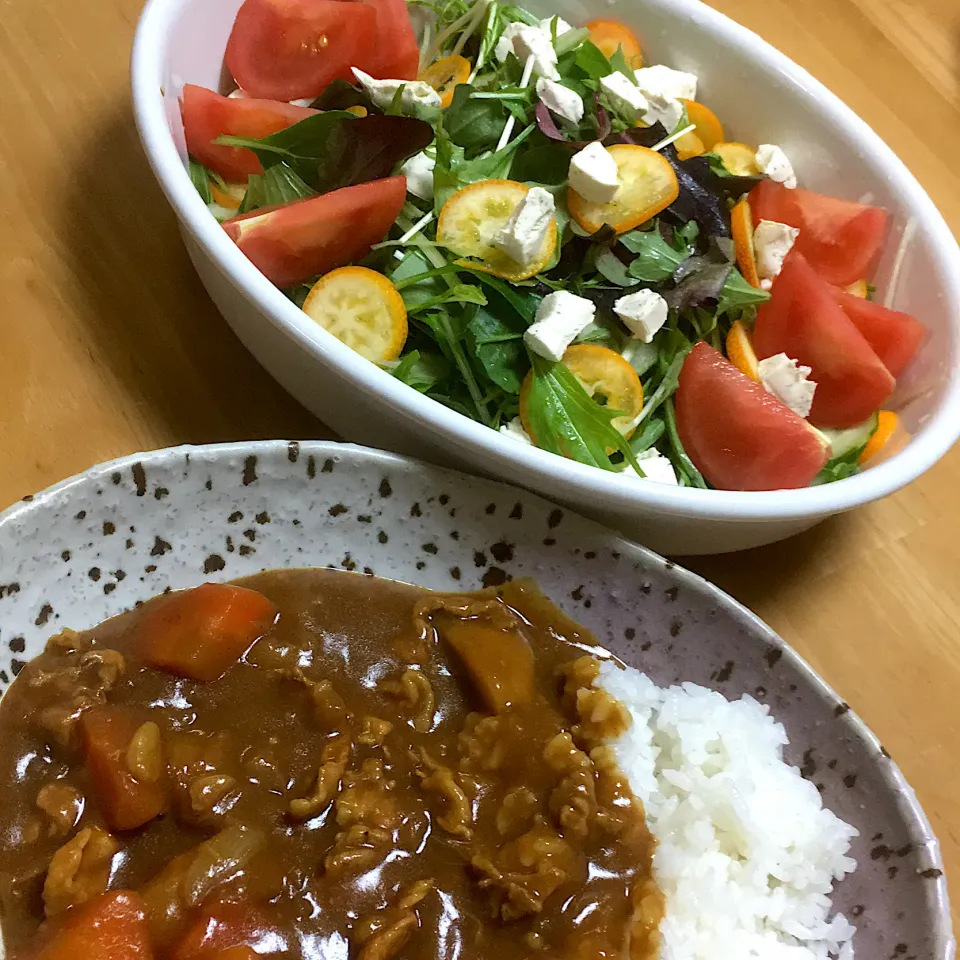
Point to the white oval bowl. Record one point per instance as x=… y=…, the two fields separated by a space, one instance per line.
x=181 y=41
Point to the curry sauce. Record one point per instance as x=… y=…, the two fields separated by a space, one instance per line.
x=386 y=772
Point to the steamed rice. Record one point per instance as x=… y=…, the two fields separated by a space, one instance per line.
x=747 y=854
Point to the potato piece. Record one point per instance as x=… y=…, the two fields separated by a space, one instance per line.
x=499 y=662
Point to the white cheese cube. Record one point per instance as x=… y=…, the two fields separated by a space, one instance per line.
x=625 y=97
x=593 y=173
x=561 y=317
x=788 y=382
x=522 y=238
x=643 y=313
x=547 y=26
x=772 y=242
x=504 y=46
x=381 y=92
x=419 y=173
x=662 y=81
x=560 y=100
x=655 y=468
x=515 y=431
x=665 y=110
x=776 y=165
x=533 y=42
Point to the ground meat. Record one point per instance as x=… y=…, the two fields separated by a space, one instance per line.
x=79 y=870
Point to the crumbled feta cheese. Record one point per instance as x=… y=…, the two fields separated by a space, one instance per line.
x=560 y=100
x=665 y=110
x=560 y=318
x=664 y=82
x=238 y=94
x=625 y=97
x=505 y=45
x=302 y=102
x=522 y=237
x=655 y=468
x=772 y=242
x=547 y=26
x=643 y=313
x=381 y=92
x=515 y=431
x=593 y=173
x=788 y=382
x=419 y=173
x=533 y=42
x=664 y=89
x=776 y=165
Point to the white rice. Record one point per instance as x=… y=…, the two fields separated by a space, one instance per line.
x=747 y=854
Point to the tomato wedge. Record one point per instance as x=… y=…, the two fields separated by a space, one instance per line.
x=200 y=633
x=295 y=242
x=840 y=239
x=290 y=49
x=207 y=115
x=803 y=320
x=111 y=927
x=127 y=803
x=894 y=336
x=739 y=436
x=395 y=54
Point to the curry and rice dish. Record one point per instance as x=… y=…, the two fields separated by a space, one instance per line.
x=385 y=772
x=315 y=764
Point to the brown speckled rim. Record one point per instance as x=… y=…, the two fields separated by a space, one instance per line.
x=320 y=456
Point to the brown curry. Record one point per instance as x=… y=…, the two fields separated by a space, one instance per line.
x=386 y=772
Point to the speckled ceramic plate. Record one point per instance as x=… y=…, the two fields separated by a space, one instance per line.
x=124 y=531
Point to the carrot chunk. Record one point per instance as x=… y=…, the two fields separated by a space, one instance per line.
x=200 y=633
x=106 y=733
x=112 y=927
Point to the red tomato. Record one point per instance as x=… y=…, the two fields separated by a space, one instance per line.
x=395 y=55
x=127 y=803
x=289 y=49
x=200 y=633
x=894 y=336
x=840 y=239
x=111 y=927
x=292 y=243
x=225 y=927
x=207 y=115
x=739 y=436
x=803 y=320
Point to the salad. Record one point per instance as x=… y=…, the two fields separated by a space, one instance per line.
x=526 y=221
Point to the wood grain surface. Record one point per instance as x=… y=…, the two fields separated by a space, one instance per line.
x=109 y=345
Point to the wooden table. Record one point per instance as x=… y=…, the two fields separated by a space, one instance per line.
x=109 y=345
